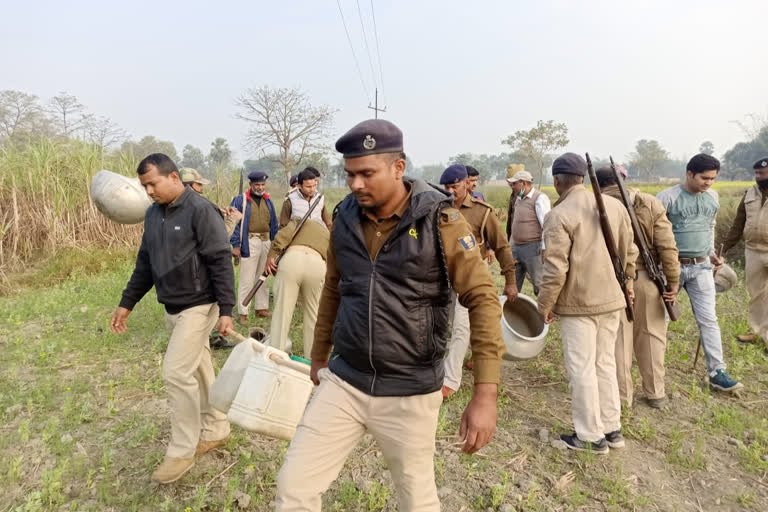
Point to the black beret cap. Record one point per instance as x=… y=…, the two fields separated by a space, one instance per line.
x=370 y=137
x=257 y=176
x=453 y=174
x=761 y=164
x=569 y=163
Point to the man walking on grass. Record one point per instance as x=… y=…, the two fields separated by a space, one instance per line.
x=751 y=223
x=185 y=255
x=692 y=208
x=579 y=285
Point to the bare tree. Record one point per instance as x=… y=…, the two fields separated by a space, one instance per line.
x=537 y=143
x=103 y=132
x=19 y=112
x=68 y=112
x=284 y=120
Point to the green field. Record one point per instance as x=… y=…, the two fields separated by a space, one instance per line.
x=84 y=421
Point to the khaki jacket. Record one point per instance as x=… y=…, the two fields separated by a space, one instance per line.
x=578 y=277
x=652 y=217
x=489 y=235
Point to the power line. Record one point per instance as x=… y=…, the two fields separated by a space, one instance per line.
x=365 y=43
x=354 y=57
x=378 y=53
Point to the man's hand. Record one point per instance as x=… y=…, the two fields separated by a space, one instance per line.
x=316 y=366
x=491 y=256
x=117 y=324
x=270 y=266
x=232 y=212
x=671 y=295
x=510 y=291
x=236 y=252
x=631 y=294
x=225 y=326
x=717 y=261
x=549 y=317
x=478 y=423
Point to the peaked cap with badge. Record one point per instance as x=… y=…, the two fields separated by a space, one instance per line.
x=371 y=137
x=761 y=164
x=453 y=174
x=257 y=177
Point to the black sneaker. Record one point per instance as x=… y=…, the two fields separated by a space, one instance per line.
x=615 y=439
x=574 y=443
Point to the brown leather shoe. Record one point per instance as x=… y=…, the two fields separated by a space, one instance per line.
x=749 y=337
x=447 y=392
x=204 y=447
x=264 y=313
x=243 y=319
x=171 y=469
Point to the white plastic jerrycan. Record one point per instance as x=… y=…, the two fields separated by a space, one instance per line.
x=273 y=394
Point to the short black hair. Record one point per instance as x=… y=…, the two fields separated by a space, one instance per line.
x=162 y=162
x=605 y=177
x=294 y=179
x=569 y=179
x=471 y=171
x=306 y=174
x=312 y=170
x=703 y=163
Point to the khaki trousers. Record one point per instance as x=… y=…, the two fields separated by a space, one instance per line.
x=589 y=343
x=756 y=265
x=250 y=269
x=188 y=375
x=458 y=347
x=302 y=271
x=647 y=338
x=336 y=418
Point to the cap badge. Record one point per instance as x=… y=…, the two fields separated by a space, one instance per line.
x=764 y=163
x=369 y=142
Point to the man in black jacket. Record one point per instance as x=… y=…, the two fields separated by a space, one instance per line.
x=185 y=255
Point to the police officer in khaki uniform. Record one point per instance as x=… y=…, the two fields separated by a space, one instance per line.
x=251 y=241
x=397 y=248
x=301 y=272
x=579 y=286
x=489 y=235
x=751 y=223
x=647 y=335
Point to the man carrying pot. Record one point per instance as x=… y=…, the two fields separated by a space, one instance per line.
x=185 y=255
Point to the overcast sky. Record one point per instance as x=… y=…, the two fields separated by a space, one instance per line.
x=458 y=76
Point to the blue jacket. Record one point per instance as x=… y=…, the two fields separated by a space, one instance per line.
x=235 y=240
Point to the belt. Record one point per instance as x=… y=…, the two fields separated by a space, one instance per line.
x=262 y=236
x=693 y=261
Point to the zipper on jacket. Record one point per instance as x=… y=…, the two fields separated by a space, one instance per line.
x=195 y=272
x=370 y=322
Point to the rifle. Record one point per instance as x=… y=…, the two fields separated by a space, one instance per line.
x=263 y=277
x=673 y=308
x=610 y=243
x=237 y=258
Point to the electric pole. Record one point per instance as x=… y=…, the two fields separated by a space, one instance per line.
x=375 y=106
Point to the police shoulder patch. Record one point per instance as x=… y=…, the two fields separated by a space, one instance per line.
x=468 y=242
x=450 y=215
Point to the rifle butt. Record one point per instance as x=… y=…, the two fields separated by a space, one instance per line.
x=249 y=297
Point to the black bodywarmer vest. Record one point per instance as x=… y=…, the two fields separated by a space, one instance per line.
x=391 y=327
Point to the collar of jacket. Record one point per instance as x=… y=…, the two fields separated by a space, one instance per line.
x=568 y=192
x=423 y=197
x=181 y=199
